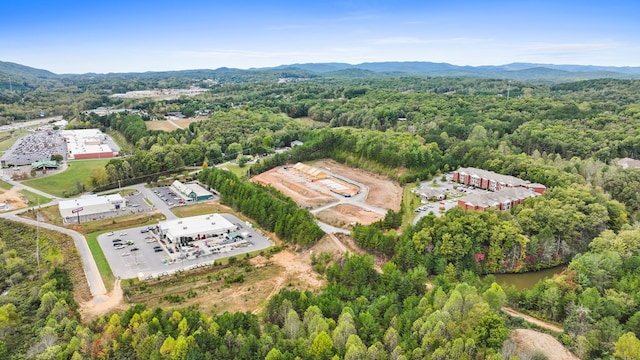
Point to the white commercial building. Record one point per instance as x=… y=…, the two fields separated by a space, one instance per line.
x=91 y=205
x=196 y=228
x=87 y=144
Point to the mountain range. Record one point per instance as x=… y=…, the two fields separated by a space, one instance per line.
x=537 y=73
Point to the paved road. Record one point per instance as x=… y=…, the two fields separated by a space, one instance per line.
x=96 y=284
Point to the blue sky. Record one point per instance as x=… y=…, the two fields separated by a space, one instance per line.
x=125 y=36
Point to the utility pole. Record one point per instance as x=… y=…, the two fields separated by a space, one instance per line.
x=38 y=237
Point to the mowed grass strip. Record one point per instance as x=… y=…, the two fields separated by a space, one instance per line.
x=65 y=182
x=101 y=261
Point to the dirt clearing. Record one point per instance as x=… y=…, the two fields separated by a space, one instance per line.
x=294 y=186
x=344 y=215
x=529 y=342
x=13 y=199
x=103 y=304
x=383 y=192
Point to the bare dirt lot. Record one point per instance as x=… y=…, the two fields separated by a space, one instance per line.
x=162 y=125
x=263 y=276
x=343 y=215
x=528 y=342
x=13 y=199
x=294 y=187
x=383 y=192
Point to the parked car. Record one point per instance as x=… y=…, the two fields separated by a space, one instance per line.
x=158 y=250
x=144 y=230
x=134 y=249
x=116 y=240
x=119 y=246
x=126 y=254
x=129 y=242
x=123 y=234
x=110 y=233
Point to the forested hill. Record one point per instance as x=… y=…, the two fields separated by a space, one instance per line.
x=24 y=77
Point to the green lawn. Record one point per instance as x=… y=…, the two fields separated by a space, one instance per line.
x=234 y=168
x=7 y=143
x=101 y=260
x=34 y=199
x=65 y=183
x=5 y=185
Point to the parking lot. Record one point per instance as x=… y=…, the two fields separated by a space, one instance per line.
x=146 y=262
x=172 y=198
x=35 y=147
x=453 y=192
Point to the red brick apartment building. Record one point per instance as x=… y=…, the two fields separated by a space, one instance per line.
x=507 y=191
x=503 y=199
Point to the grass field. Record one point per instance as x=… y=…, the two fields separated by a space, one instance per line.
x=65 y=182
x=201 y=209
x=8 y=142
x=240 y=172
x=308 y=122
x=34 y=199
x=5 y=185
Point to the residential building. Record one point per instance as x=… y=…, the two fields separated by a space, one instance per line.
x=503 y=199
x=489 y=180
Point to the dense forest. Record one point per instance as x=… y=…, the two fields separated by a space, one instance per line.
x=433 y=298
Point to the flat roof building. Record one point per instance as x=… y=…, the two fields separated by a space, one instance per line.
x=87 y=144
x=196 y=228
x=91 y=205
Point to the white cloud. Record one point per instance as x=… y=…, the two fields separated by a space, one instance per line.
x=401 y=40
x=550 y=47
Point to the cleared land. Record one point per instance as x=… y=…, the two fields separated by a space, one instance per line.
x=294 y=186
x=167 y=126
x=243 y=287
x=383 y=192
x=162 y=125
x=343 y=215
x=13 y=199
x=529 y=342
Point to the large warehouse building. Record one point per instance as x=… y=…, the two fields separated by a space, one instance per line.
x=196 y=228
x=91 y=205
x=87 y=144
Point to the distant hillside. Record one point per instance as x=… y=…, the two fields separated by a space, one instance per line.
x=18 y=70
x=537 y=73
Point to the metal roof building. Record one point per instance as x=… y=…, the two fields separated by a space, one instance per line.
x=90 y=205
x=196 y=227
x=194 y=192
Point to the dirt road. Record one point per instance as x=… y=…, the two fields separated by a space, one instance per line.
x=532 y=320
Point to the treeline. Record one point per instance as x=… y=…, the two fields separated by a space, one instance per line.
x=542 y=232
x=596 y=298
x=278 y=214
x=38 y=310
x=360 y=315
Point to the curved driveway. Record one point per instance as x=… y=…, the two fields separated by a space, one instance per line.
x=96 y=284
